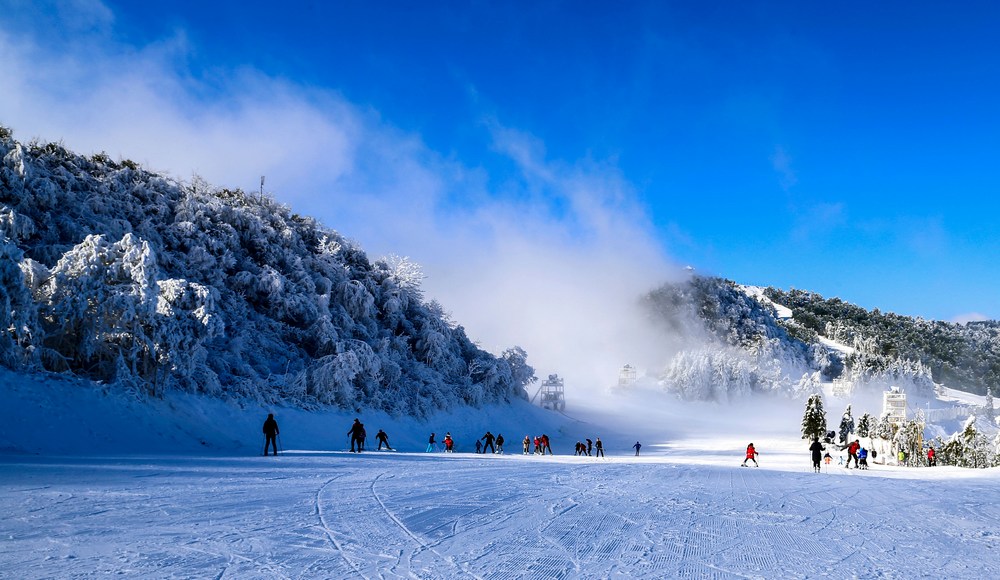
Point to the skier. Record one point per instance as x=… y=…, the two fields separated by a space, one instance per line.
x=430 y=444
x=637 y=446
x=356 y=432
x=863 y=458
x=500 y=444
x=590 y=445
x=852 y=453
x=816 y=449
x=270 y=433
x=364 y=435
x=751 y=456
x=901 y=456
x=545 y=444
x=931 y=461
x=538 y=445
x=479 y=446
x=449 y=443
x=381 y=437
x=600 y=447
x=579 y=448
x=527 y=444
x=488 y=442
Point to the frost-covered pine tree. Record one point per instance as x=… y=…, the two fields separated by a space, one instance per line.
x=910 y=438
x=814 y=419
x=988 y=410
x=865 y=426
x=846 y=425
x=885 y=431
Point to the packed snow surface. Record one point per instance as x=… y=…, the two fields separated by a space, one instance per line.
x=81 y=498
x=392 y=515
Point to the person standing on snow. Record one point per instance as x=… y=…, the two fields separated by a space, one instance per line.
x=590 y=445
x=430 y=444
x=488 y=442
x=931 y=461
x=479 y=446
x=270 y=433
x=357 y=435
x=545 y=444
x=500 y=444
x=863 y=458
x=637 y=447
x=449 y=443
x=817 y=449
x=381 y=437
x=852 y=453
x=751 y=456
x=527 y=444
x=600 y=447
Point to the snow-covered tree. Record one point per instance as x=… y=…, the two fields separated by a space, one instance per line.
x=814 y=419
x=969 y=448
x=522 y=373
x=909 y=438
x=866 y=424
x=988 y=411
x=846 y=425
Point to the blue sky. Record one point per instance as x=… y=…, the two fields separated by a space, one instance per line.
x=852 y=150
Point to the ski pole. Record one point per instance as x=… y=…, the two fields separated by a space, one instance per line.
x=263 y=450
x=280 y=447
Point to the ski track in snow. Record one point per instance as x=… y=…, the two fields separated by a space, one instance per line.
x=465 y=516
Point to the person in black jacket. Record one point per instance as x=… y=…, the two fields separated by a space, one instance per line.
x=500 y=443
x=381 y=437
x=357 y=433
x=488 y=442
x=270 y=433
x=817 y=453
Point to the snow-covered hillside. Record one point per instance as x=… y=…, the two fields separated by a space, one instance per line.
x=121 y=276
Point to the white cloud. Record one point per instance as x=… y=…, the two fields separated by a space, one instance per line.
x=969 y=317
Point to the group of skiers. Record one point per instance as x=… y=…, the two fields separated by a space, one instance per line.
x=487 y=442
x=358 y=435
x=854 y=451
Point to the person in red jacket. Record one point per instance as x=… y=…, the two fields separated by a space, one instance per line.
x=751 y=456
x=852 y=453
x=449 y=443
x=931 y=462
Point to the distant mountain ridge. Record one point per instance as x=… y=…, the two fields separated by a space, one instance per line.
x=747 y=347
x=113 y=273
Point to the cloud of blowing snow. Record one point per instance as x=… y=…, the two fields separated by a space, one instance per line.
x=552 y=260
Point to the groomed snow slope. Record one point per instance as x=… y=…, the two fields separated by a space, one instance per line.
x=389 y=515
x=99 y=484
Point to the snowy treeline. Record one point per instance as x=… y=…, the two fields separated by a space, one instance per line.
x=120 y=275
x=963 y=356
x=735 y=346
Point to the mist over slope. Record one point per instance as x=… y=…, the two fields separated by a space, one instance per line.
x=122 y=276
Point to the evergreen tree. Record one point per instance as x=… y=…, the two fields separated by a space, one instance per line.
x=988 y=410
x=865 y=426
x=910 y=439
x=814 y=419
x=846 y=425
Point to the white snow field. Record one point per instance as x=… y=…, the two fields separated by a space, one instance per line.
x=386 y=515
x=80 y=498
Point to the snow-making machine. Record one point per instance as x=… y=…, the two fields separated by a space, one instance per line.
x=552 y=393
